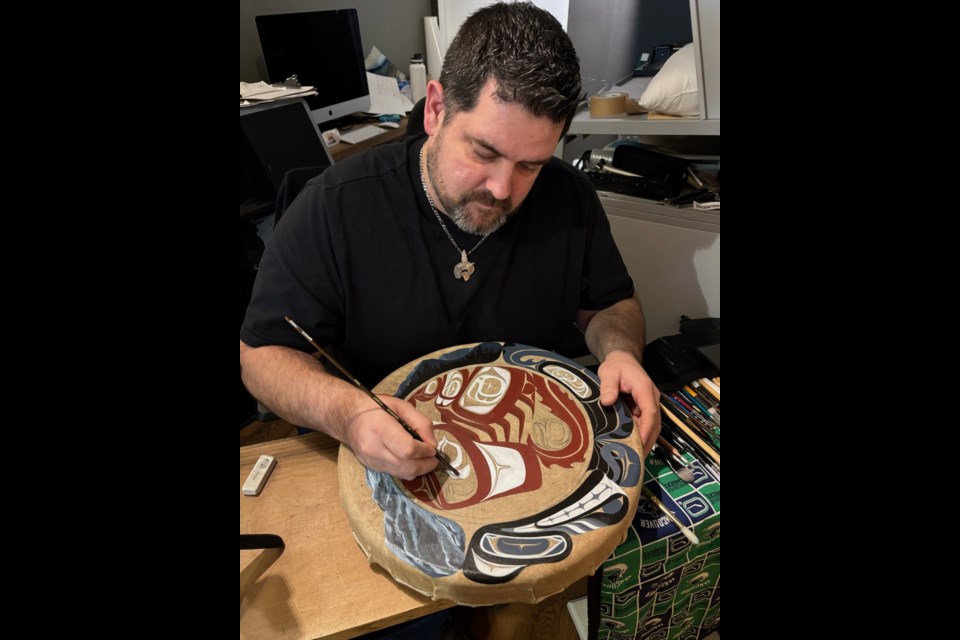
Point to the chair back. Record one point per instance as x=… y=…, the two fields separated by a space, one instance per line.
x=293 y=183
x=415 y=119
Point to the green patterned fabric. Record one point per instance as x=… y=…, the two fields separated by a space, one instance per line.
x=657 y=585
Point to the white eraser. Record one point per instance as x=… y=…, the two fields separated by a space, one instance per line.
x=258 y=477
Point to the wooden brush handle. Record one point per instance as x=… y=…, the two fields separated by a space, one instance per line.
x=707 y=449
x=666 y=444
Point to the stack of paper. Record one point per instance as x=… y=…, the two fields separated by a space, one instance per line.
x=385 y=96
x=252 y=93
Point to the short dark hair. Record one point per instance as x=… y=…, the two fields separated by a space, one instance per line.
x=527 y=53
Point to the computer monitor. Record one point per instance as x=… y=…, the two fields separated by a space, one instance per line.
x=323 y=49
x=274 y=138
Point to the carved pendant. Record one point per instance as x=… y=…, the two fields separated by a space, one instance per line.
x=463 y=269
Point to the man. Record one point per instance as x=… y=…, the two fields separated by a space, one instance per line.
x=475 y=234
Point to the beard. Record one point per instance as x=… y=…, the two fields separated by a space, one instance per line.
x=487 y=218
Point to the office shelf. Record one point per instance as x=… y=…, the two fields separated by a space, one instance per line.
x=654 y=211
x=705 y=26
x=638 y=125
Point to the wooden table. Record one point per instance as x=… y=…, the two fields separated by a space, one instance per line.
x=321 y=585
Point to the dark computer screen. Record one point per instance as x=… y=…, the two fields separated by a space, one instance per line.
x=274 y=138
x=257 y=193
x=324 y=50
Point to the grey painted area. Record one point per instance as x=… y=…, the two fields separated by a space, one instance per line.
x=396 y=28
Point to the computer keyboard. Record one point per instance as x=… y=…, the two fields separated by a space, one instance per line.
x=360 y=134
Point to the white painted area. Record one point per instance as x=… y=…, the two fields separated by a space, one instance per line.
x=507 y=469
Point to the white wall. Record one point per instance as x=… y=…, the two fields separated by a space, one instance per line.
x=452 y=13
x=673 y=258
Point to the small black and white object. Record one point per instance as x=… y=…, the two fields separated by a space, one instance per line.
x=258 y=476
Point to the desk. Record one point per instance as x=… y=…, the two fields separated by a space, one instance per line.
x=343 y=150
x=321 y=585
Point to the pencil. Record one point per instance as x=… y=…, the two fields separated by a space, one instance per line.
x=443 y=461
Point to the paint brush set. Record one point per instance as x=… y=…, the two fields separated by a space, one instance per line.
x=690 y=420
x=690 y=423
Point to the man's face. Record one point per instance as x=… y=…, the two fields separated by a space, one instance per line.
x=482 y=164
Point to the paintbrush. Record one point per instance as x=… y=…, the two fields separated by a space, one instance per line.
x=691 y=418
x=712 y=388
x=359 y=385
x=707 y=393
x=675 y=437
x=686 y=531
x=696 y=400
x=690 y=436
x=675 y=460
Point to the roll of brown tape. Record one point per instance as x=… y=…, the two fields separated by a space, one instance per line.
x=608 y=104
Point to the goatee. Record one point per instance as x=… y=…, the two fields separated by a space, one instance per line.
x=457 y=209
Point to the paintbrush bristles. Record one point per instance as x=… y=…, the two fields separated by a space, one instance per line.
x=679 y=468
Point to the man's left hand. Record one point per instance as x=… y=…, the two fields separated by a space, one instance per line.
x=620 y=373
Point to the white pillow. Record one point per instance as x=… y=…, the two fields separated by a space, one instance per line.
x=674 y=89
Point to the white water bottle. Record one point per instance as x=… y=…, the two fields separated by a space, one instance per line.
x=418 y=77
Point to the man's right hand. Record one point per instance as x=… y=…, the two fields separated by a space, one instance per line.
x=289 y=382
x=382 y=444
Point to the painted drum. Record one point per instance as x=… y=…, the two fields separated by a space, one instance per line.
x=549 y=479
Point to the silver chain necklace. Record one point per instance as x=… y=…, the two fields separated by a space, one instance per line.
x=464 y=269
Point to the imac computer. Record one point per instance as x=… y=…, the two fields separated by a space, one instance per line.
x=323 y=49
x=274 y=138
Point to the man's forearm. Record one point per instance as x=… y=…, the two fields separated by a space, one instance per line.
x=295 y=386
x=617 y=328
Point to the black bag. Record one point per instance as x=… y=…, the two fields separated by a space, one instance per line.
x=673 y=361
x=659 y=175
